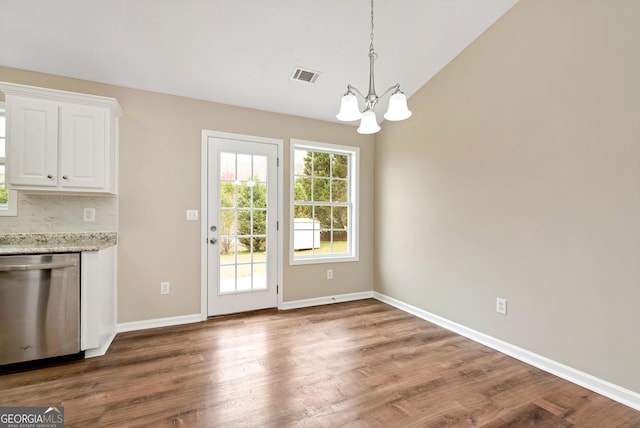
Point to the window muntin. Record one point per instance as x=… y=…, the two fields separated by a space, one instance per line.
x=324 y=208
x=7 y=197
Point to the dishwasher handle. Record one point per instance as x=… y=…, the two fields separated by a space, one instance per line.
x=38 y=266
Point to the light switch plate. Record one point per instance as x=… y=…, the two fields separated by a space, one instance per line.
x=192 y=215
x=165 y=286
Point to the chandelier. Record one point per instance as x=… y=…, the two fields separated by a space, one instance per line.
x=349 y=110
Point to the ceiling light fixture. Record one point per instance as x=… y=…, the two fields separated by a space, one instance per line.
x=349 y=110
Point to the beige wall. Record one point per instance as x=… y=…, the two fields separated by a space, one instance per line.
x=519 y=177
x=160 y=143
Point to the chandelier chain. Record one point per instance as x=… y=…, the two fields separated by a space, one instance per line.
x=371 y=51
x=371 y=24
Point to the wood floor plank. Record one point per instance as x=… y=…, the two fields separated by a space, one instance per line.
x=355 y=364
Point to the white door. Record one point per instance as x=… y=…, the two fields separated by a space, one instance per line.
x=242 y=211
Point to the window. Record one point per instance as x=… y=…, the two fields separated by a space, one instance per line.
x=324 y=208
x=8 y=198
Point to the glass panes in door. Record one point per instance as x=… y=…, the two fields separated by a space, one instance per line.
x=243 y=223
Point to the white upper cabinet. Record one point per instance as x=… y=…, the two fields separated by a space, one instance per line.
x=83 y=147
x=60 y=141
x=32 y=142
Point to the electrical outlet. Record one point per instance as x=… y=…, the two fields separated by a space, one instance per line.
x=501 y=306
x=164 y=287
x=89 y=214
x=329 y=273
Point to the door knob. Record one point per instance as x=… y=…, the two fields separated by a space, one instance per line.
x=213 y=241
x=213 y=228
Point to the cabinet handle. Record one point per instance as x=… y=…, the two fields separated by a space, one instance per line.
x=65 y=177
x=49 y=176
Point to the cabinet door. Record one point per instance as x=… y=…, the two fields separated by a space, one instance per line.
x=82 y=147
x=33 y=142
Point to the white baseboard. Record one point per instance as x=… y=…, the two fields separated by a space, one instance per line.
x=326 y=300
x=158 y=322
x=187 y=319
x=100 y=351
x=600 y=386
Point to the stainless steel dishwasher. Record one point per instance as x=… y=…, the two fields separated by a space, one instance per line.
x=39 y=307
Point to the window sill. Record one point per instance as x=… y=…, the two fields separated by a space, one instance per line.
x=323 y=260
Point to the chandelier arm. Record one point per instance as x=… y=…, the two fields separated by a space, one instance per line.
x=396 y=86
x=354 y=89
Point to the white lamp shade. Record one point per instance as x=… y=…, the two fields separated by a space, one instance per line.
x=368 y=124
x=349 y=110
x=397 y=107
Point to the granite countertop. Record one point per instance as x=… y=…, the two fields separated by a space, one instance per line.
x=37 y=243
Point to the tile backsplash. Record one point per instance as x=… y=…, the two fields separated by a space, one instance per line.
x=61 y=213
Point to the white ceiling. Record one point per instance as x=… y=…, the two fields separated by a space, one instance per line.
x=243 y=52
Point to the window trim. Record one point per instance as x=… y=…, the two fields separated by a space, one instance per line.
x=354 y=184
x=12 y=195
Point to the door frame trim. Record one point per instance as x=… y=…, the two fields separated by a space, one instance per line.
x=204 y=210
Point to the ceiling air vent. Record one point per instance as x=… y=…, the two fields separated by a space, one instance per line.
x=305 y=75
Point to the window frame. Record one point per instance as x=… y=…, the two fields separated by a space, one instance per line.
x=353 y=201
x=12 y=197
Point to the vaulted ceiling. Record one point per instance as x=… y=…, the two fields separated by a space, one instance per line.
x=243 y=52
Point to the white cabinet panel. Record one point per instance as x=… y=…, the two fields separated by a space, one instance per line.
x=34 y=162
x=82 y=146
x=98 y=293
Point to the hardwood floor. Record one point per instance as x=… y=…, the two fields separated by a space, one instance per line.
x=356 y=364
